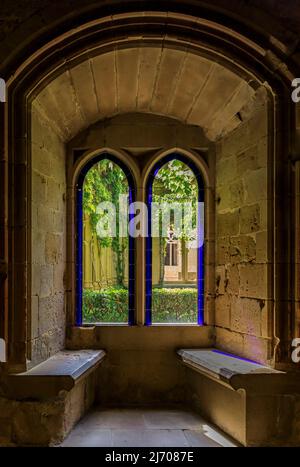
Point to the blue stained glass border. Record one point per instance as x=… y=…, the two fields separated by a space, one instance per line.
x=79 y=239
x=201 y=195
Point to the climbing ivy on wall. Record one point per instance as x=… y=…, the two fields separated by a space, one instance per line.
x=106 y=181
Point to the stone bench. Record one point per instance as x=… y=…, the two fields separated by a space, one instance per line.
x=245 y=399
x=43 y=404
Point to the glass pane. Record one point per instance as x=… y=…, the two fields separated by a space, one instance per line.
x=105 y=245
x=174 y=245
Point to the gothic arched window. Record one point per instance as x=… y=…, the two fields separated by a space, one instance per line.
x=105 y=261
x=175 y=248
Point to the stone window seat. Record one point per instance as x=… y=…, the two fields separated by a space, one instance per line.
x=249 y=401
x=59 y=373
x=41 y=406
x=233 y=371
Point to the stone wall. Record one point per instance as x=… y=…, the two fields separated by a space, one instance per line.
x=141 y=367
x=44 y=422
x=243 y=306
x=48 y=239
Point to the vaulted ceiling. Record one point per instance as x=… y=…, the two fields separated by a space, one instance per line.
x=149 y=79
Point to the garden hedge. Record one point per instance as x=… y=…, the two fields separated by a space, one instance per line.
x=169 y=305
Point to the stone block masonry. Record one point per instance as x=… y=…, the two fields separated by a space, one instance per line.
x=48 y=228
x=242 y=301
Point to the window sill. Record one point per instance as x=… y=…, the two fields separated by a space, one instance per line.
x=154 y=325
x=93 y=325
x=186 y=325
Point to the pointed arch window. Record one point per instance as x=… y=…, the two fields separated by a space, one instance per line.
x=175 y=248
x=105 y=262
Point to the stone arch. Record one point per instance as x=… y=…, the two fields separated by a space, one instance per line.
x=22 y=88
x=157 y=79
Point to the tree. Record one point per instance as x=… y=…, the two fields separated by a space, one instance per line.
x=175 y=182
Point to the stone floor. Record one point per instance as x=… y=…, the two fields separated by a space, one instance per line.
x=145 y=428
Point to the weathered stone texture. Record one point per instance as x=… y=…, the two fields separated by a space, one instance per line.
x=45 y=422
x=157 y=80
x=228 y=224
x=242 y=253
x=223 y=311
x=250 y=219
x=256 y=186
x=257 y=349
x=246 y=315
x=253 y=280
x=242 y=249
x=48 y=238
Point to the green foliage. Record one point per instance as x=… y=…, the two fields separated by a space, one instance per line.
x=174 y=305
x=169 y=305
x=106 y=181
x=109 y=305
x=175 y=182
